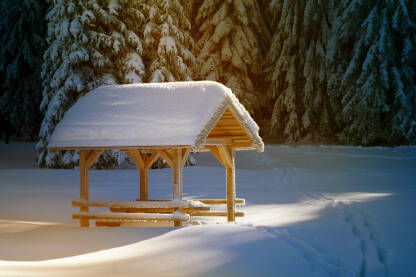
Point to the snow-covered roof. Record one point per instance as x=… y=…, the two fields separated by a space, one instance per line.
x=151 y=114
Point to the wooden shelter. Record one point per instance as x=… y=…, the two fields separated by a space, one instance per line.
x=148 y=121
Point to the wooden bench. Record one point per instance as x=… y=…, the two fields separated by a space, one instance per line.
x=216 y=213
x=237 y=201
x=154 y=210
x=193 y=205
x=141 y=204
x=114 y=219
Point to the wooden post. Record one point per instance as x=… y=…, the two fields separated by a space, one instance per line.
x=177 y=178
x=177 y=174
x=231 y=187
x=83 y=184
x=144 y=183
x=140 y=160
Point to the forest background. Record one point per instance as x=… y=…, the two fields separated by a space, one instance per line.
x=308 y=71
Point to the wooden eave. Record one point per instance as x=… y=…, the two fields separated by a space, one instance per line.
x=228 y=130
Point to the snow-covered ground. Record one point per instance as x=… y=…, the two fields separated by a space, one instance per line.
x=311 y=211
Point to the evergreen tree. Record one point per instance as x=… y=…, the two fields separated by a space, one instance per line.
x=92 y=43
x=22 y=31
x=168 y=42
x=316 y=118
x=372 y=83
x=231 y=39
x=404 y=74
x=286 y=72
x=298 y=71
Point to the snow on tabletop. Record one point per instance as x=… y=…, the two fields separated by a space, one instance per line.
x=133 y=216
x=143 y=204
x=153 y=114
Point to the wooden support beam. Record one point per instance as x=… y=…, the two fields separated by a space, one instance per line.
x=93 y=157
x=216 y=153
x=225 y=155
x=140 y=161
x=137 y=157
x=83 y=184
x=185 y=155
x=166 y=156
x=150 y=160
x=230 y=186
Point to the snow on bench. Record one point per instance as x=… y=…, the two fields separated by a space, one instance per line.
x=237 y=201
x=176 y=216
x=216 y=213
x=159 y=210
x=141 y=204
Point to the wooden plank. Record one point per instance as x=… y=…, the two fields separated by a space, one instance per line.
x=216 y=141
x=217 y=213
x=243 y=146
x=226 y=125
x=132 y=216
x=225 y=132
x=231 y=187
x=158 y=210
x=227 y=121
x=231 y=127
x=229 y=137
x=150 y=160
x=139 y=204
x=107 y=223
x=166 y=156
x=228 y=112
x=242 y=141
x=93 y=157
x=237 y=201
x=83 y=184
x=236 y=146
